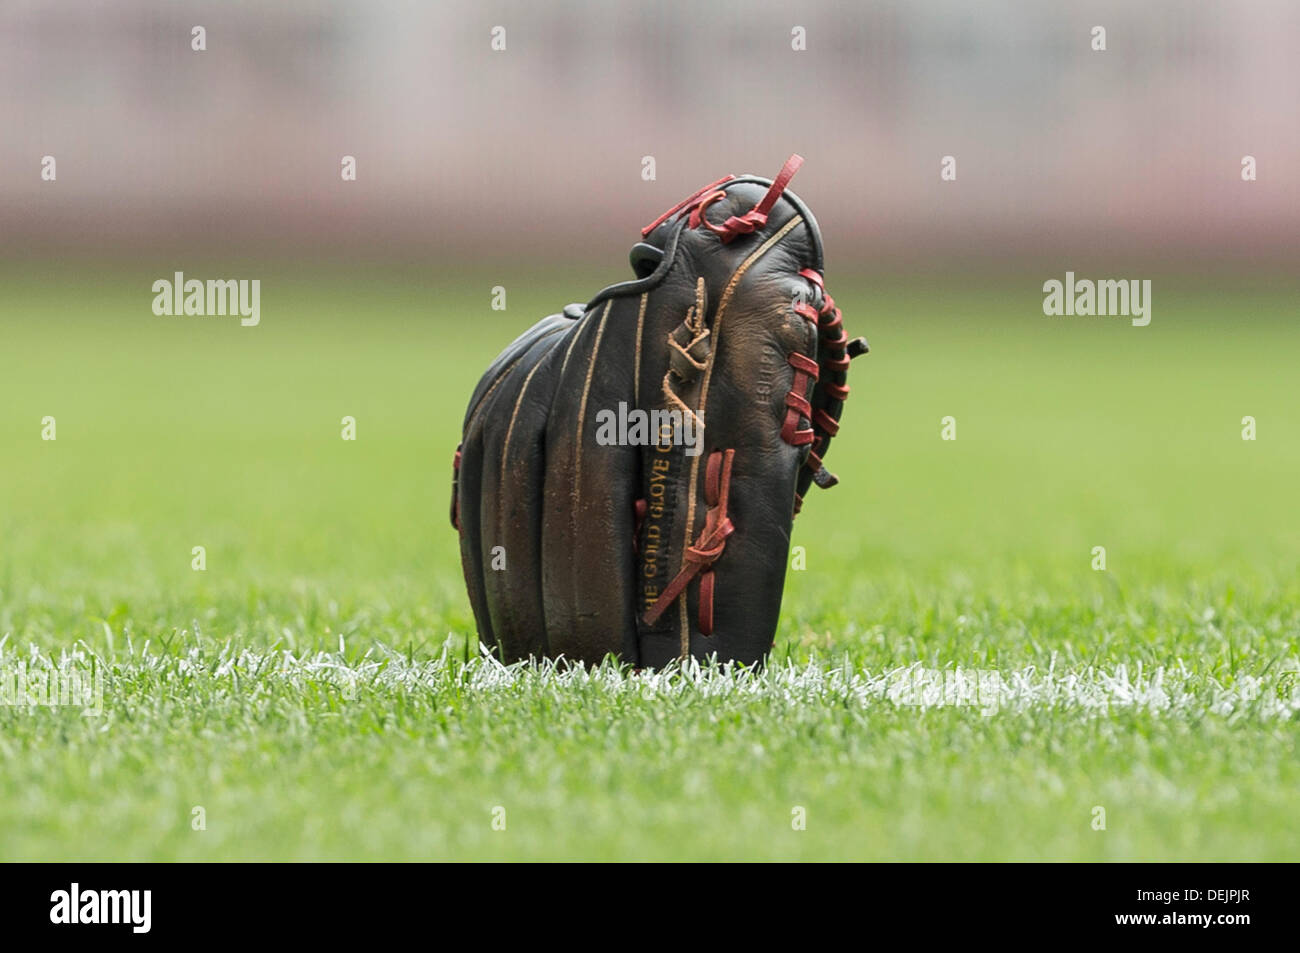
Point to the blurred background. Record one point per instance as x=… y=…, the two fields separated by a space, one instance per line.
x=522 y=168
x=469 y=155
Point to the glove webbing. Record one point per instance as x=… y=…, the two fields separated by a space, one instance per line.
x=708 y=547
x=834 y=343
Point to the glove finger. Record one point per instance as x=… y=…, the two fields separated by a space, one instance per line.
x=475 y=556
x=469 y=499
x=512 y=491
x=588 y=524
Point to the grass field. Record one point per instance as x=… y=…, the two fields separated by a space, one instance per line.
x=318 y=693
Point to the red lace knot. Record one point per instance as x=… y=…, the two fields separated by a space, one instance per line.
x=738 y=225
x=708 y=548
x=697 y=210
x=699 y=558
x=691 y=201
x=697 y=203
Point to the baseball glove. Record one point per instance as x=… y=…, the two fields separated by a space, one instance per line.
x=630 y=468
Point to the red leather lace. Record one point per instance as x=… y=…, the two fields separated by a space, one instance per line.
x=708 y=547
x=698 y=202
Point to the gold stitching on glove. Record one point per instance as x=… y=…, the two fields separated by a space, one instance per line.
x=688 y=339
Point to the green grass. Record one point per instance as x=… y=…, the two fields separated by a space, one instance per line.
x=311 y=690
